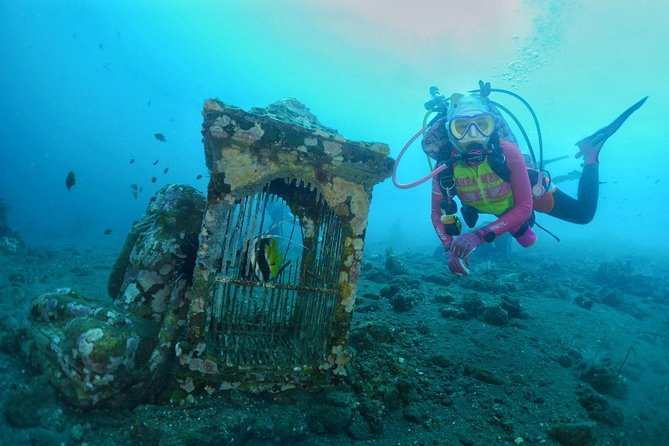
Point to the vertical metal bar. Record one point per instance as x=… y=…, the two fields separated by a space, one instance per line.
x=239 y=226
x=260 y=318
x=240 y=211
x=287 y=314
x=229 y=232
x=251 y=218
x=218 y=299
x=271 y=316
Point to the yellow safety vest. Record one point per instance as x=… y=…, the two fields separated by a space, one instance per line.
x=481 y=188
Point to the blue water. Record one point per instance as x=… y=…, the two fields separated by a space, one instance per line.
x=84 y=86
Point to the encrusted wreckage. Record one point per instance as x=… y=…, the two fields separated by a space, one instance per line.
x=10 y=241
x=252 y=287
x=120 y=354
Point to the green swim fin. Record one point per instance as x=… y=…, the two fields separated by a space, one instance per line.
x=598 y=138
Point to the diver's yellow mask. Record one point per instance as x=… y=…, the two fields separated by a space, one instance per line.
x=469 y=121
x=483 y=124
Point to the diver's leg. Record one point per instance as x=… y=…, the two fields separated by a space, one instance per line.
x=582 y=209
x=590 y=146
x=524 y=234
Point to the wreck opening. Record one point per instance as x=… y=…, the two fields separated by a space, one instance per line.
x=274 y=296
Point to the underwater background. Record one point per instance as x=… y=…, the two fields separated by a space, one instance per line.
x=87 y=86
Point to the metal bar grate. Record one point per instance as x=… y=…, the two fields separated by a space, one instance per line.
x=285 y=321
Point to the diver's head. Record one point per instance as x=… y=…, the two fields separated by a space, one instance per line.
x=470 y=122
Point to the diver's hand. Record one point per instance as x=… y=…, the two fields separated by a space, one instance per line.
x=466 y=243
x=458 y=265
x=484 y=89
x=435 y=138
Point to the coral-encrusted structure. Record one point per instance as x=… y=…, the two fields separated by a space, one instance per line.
x=252 y=287
x=121 y=354
x=258 y=331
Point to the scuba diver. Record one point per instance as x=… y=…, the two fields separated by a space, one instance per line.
x=479 y=161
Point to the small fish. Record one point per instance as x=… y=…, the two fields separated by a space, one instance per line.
x=154 y=179
x=199 y=177
x=573 y=175
x=160 y=137
x=141 y=188
x=134 y=187
x=261 y=259
x=135 y=194
x=552 y=160
x=656 y=181
x=132 y=160
x=70 y=180
x=156 y=162
x=148 y=104
x=166 y=169
x=107 y=231
x=101 y=46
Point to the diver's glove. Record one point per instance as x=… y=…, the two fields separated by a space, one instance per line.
x=458 y=265
x=466 y=243
x=435 y=138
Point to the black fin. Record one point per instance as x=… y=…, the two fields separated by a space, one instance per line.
x=601 y=135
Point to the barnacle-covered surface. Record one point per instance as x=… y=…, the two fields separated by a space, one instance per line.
x=205 y=298
x=93 y=354
x=118 y=355
x=150 y=270
x=285 y=140
x=279 y=153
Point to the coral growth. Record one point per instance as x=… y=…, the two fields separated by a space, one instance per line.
x=10 y=241
x=118 y=355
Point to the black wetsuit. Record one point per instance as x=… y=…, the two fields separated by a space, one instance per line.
x=582 y=209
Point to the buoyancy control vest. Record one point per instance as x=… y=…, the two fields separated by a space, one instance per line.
x=494 y=161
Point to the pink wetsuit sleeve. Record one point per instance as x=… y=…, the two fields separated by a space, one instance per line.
x=437 y=196
x=520 y=188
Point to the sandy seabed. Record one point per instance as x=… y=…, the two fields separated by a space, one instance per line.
x=536 y=349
